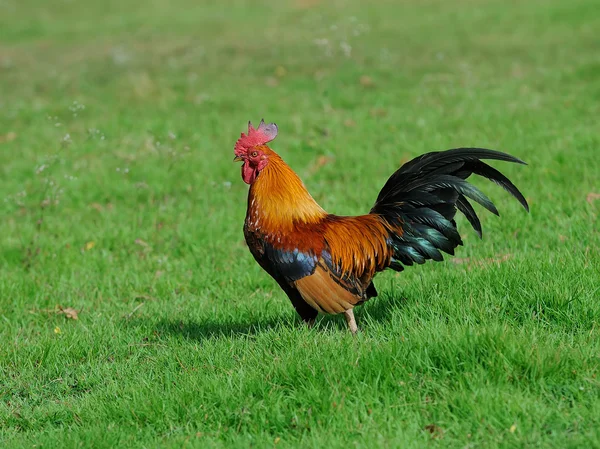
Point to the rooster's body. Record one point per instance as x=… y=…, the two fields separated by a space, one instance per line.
x=326 y=263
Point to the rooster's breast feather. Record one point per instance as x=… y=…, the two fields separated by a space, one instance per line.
x=330 y=263
x=288 y=259
x=292 y=265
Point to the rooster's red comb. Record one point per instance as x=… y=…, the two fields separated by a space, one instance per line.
x=263 y=134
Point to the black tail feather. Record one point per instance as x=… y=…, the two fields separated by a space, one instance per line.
x=421 y=198
x=483 y=169
x=465 y=207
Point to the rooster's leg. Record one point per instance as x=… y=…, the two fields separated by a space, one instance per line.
x=349 y=315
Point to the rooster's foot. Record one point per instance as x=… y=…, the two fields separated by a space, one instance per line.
x=349 y=315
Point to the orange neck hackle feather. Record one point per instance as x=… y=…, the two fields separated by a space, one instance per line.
x=279 y=199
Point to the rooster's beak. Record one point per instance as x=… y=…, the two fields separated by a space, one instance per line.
x=237 y=159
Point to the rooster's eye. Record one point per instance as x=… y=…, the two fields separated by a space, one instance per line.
x=254 y=154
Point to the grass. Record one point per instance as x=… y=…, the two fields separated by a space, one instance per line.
x=119 y=200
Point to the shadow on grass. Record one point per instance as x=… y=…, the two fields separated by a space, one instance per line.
x=379 y=309
x=214 y=328
x=376 y=310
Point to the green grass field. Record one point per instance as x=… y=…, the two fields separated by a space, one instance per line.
x=119 y=200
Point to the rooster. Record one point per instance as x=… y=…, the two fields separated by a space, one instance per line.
x=326 y=263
